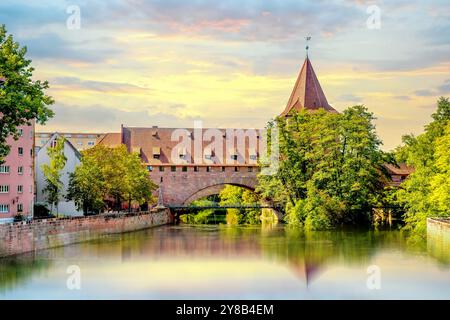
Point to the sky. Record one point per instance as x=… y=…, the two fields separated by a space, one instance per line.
x=232 y=63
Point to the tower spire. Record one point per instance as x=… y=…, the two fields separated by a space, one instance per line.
x=307 y=93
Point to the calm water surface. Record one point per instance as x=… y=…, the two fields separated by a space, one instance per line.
x=221 y=262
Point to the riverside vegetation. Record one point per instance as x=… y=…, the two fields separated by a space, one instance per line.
x=332 y=173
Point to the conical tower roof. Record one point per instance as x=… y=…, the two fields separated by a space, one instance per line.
x=307 y=93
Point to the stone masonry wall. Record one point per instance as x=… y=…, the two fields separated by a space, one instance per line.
x=438 y=238
x=20 y=237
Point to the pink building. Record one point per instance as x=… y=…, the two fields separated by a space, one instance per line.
x=17 y=177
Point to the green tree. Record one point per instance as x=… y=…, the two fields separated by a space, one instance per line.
x=234 y=195
x=425 y=193
x=110 y=174
x=87 y=186
x=52 y=172
x=202 y=216
x=139 y=186
x=22 y=99
x=331 y=168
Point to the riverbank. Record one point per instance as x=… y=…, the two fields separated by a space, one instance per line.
x=438 y=238
x=21 y=237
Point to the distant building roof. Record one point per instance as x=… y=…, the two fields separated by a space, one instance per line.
x=57 y=135
x=112 y=139
x=402 y=169
x=161 y=146
x=307 y=93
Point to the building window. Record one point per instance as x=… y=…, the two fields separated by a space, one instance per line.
x=253 y=157
x=184 y=169
x=31 y=133
x=4 y=208
x=20 y=188
x=208 y=169
x=150 y=168
x=161 y=179
x=53 y=143
x=20 y=150
x=68 y=135
x=195 y=169
x=20 y=170
x=91 y=143
x=19 y=207
x=236 y=169
x=156 y=152
x=161 y=169
x=4 y=188
x=234 y=157
x=250 y=169
x=80 y=143
x=4 y=169
x=31 y=152
x=21 y=132
x=173 y=168
x=43 y=142
x=223 y=169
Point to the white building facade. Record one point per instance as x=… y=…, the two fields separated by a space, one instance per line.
x=65 y=208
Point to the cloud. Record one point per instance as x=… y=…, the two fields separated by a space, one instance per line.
x=424 y=93
x=440 y=90
x=445 y=88
x=106 y=119
x=231 y=20
x=404 y=98
x=349 y=97
x=74 y=83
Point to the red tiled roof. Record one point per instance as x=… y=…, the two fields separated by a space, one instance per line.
x=159 y=142
x=402 y=169
x=111 y=139
x=307 y=92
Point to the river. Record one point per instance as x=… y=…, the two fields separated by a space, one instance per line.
x=223 y=262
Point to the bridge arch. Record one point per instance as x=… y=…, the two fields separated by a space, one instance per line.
x=212 y=190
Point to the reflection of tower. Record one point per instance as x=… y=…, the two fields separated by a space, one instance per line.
x=305 y=269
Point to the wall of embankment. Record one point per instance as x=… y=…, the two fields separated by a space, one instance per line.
x=438 y=238
x=21 y=237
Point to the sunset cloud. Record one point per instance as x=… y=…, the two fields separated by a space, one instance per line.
x=233 y=63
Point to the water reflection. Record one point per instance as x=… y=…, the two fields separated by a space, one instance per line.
x=230 y=262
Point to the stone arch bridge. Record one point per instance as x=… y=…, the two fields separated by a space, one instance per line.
x=179 y=188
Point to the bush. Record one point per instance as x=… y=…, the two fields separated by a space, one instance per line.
x=19 y=217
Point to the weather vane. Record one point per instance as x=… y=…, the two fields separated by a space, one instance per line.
x=307 y=46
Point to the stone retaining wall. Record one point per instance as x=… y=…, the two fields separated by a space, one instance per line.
x=438 y=238
x=23 y=237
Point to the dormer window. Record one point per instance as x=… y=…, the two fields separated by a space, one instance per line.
x=233 y=154
x=208 y=153
x=182 y=152
x=156 y=152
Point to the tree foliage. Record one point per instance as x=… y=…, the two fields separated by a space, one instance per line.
x=426 y=192
x=110 y=174
x=52 y=173
x=331 y=168
x=234 y=195
x=22 y=99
